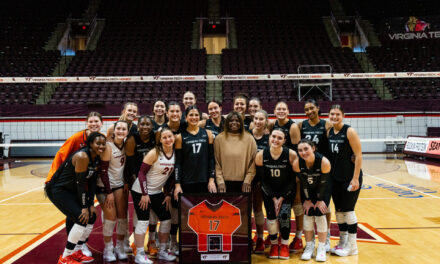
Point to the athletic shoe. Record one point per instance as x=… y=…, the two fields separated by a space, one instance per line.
x=67 y=260
x=341 y=244
x=120 y=253
x=109 y=255
x=259 y=248
x=165 y=255
x=321 y=254
x=86 y=251
x=284 y=252
x=174 y=248
x=141 y=258
x=308 y=251
x=274 y=252
x=296 y=245
x=127 y=247
x=80 y=257
x=327 y=244
x=152 y=248
x=347 y=251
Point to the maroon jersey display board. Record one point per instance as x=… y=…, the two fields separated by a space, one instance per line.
x=215 y=228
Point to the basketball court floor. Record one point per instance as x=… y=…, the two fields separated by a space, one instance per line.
x=398 y=213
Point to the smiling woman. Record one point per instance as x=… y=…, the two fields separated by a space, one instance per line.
x=235 y=152
x=72 y=191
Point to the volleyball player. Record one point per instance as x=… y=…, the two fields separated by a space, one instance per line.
x=136 y=147
x=313 y=169
x=315 y=130
x=215 y=122
x=176 y=126
x=293 y=136
x=72 y=144
x=346 y=177
x=261 y=136
x=234 y=151
x=72 y=191
x=129 y=114
x=240 y=103
x=159 y=114
x=195 y=169
x=154 y=174
x=113 y=162
x=278 y=186
x=189 y=99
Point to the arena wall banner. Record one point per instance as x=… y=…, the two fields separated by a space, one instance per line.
x=423 y=146
x=215 y=228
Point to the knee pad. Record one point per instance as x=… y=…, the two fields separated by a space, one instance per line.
x=108 y=227
x=165 y=227
x=321 y=224
x=272 y=227
x=298 y=209
x=121 y=228
x=153 y=218
x=259 y=218
x=308 y=223
x=141 y=227
x=350 y=218
x=76 y=233
x=340 y=218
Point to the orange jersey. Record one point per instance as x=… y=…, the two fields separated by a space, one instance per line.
x=72 y=144
x=220 y=220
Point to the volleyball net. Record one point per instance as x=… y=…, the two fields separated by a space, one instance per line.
x=379 y=130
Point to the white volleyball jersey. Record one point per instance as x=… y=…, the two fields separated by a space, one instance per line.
x=116 y=167
x=158 y=175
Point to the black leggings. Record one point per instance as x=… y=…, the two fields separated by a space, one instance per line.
x=283 y=216
x=155 y=205
x=344 y=200
x=67 y=202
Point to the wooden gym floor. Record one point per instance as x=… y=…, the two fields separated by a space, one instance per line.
x=398 y=211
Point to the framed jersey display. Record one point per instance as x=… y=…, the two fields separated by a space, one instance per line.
x=215 y=228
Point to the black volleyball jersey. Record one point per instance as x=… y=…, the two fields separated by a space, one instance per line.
x=215 y=129
x=263 y=142
x=182 y=127
x=65 y=177
x=277 y=180
x=195 y=157
x=341 y=154
x=313 y=180
x=142 y=149
x=156 y=126
x=286 y=130
x=317 y=134
x=247 y=122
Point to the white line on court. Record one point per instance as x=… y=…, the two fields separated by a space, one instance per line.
x=23 y=193
x=402 y=186
x=18 y=204
x=396 y=198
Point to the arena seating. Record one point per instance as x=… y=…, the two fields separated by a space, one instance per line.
x=140 y=38
x=22 y=38
x=277 y=37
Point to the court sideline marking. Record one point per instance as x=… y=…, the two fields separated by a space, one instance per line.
x=402 y=186
x=23 y=193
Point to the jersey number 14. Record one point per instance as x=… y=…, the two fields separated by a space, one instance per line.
x=335 y=148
